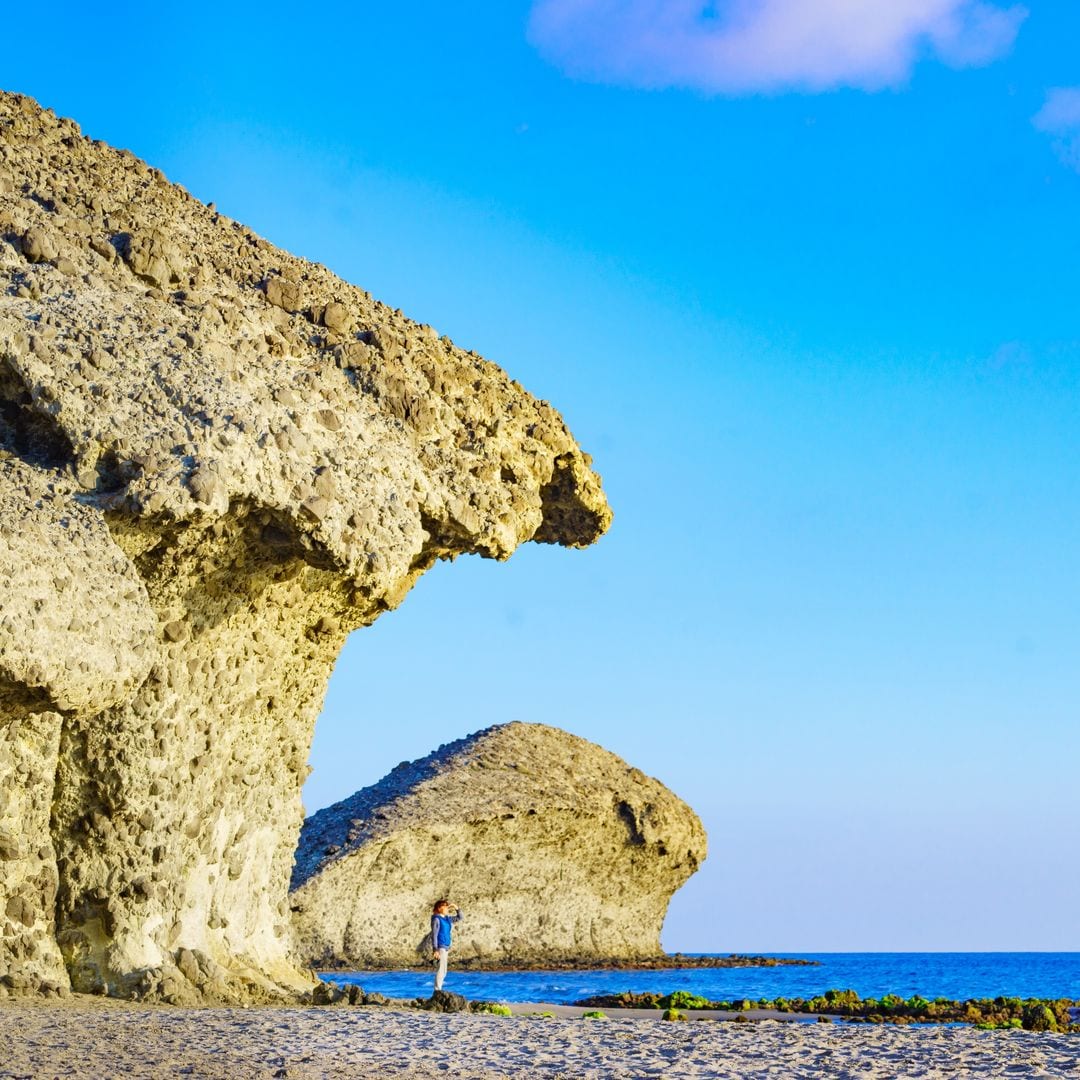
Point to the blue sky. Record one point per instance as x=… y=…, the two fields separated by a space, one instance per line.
x=802 y=277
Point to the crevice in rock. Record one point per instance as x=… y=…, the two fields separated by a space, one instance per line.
x=112 y=473
x=630 y=819
x=442 y=542
x=25 y=431
x=71 y=785
x=47 y=204
x=17 y=701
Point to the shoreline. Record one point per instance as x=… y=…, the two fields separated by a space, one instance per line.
x=528 y=1009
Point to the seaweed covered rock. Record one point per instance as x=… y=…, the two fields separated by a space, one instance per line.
x=216 y=460
x=555 y=849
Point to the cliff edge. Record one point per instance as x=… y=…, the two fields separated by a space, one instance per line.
x=216 y=460
x=555 y=849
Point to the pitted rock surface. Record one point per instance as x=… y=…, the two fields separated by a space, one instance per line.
x=216 y=460
x=554 y=848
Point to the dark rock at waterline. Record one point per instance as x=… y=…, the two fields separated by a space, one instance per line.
x=446 y=1001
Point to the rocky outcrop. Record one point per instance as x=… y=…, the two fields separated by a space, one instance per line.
x=216 y=460
x=555 y=849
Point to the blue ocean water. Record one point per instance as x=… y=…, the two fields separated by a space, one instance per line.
x=952 y=975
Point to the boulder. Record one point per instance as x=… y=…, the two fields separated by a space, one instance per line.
x=555 y=849
x=39 y=245
x=446 y=1001
x=202 y=493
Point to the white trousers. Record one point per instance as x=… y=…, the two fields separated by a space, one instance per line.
x=440 y=971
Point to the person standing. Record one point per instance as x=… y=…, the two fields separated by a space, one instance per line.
x=442 y=922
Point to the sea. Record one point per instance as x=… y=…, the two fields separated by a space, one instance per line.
x=957 y=976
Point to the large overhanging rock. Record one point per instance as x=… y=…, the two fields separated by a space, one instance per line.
x=556 y=849
x=216 y=460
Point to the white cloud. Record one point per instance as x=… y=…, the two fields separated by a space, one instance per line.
x=1060 y=118
x=747 y=46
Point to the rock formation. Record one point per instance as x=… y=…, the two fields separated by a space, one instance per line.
x=216 y=460
x=555 y=849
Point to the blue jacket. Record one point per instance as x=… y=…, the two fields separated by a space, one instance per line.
x=441 y=932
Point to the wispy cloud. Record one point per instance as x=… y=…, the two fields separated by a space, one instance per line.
x=1060 y=118
x=747 y=46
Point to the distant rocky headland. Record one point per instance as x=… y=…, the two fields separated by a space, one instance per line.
x=559 y=853
x=216 y=461
x=664 y=962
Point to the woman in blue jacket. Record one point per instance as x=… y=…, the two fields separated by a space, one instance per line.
x=441 y=934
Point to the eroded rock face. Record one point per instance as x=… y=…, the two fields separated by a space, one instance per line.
x=216 y=460
x=555 y=849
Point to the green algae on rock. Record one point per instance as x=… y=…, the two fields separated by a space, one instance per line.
x=1031 y=1014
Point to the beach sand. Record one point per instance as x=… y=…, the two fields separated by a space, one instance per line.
x=107 y=1039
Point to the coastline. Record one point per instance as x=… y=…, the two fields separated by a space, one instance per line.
x=671 y=962
x=111 y=1039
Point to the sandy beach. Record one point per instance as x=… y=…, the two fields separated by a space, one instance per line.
x=109 y=1039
